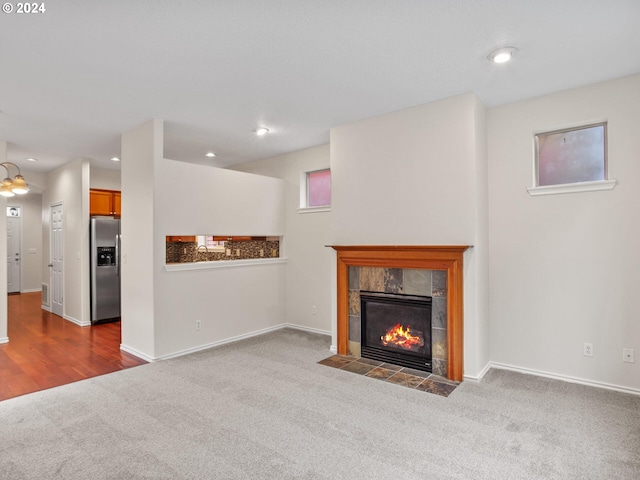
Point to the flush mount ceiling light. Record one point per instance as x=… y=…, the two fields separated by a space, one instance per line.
x=115 y=159
x=31 y=159
x=11 y=186
x=210 y=154
x=502 y=55
x=261 y=131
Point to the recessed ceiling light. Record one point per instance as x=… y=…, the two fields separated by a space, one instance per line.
x=32 y=159
x=261 y=131
x=210 y=154
x=502 y=55
x=115 y=159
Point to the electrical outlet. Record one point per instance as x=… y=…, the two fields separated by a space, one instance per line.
x=588 y=349
x=198 y=324
x=262 y=252
x=628 y=355
x=228 y=252
x=237 y=252
x=314 y=310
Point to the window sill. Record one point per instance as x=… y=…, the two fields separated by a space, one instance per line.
x=573 y=188
x=177 y=267
x=314 y=209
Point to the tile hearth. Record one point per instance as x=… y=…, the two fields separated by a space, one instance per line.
x=406 y=377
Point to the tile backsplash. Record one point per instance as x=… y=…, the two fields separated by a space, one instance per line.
x=186 y=252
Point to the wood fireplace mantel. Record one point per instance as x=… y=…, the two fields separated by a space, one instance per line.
x=447 y=257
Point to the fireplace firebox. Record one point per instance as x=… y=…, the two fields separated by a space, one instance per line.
x=396 y=328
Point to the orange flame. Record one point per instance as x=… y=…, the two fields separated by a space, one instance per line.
x=402 y=337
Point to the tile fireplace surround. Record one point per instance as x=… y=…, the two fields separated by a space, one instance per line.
x=447 y=258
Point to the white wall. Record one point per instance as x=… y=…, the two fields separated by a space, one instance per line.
x=564 y=268
x=230 y=302
x=309 y=266
x=69 y=185
x=476 y=259
x=161 y=197
x=406 y=177
x=207 y=200
x=418 y=177
x=141 y=150
x=105 y=179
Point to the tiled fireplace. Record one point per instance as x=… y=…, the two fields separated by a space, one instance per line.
x=404 y=283
x=430 y=271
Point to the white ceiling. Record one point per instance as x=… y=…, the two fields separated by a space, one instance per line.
x=75 y=77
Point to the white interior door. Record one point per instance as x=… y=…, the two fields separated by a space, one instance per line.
x=13 y=249
x=57 y=257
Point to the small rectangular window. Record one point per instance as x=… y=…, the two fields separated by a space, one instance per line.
x=13 y=211
x=572 y=155
x=211 y=244
x=214 y=245
x=318 y=187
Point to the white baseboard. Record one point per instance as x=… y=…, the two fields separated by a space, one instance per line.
x=565 y=378
x=478 y=377
x=76 y=321
x=305 y=329
x=46 y=308
x=4 y=340
x=31 y=290
x=333 y=349
x=222 y=342
x=219 y=343
x=136 y=353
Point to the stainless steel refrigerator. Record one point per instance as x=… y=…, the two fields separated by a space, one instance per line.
x=105 y=269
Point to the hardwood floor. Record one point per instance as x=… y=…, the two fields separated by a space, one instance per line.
x=46 y=351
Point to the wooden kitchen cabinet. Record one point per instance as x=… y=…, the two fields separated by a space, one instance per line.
x=104 y=202
x=227 y=238
x=117 y=200
x=217 y=238
x=181 y=238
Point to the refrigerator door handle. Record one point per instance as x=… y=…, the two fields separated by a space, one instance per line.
x=117 y=254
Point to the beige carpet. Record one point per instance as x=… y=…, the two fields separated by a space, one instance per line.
x=264 y=409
